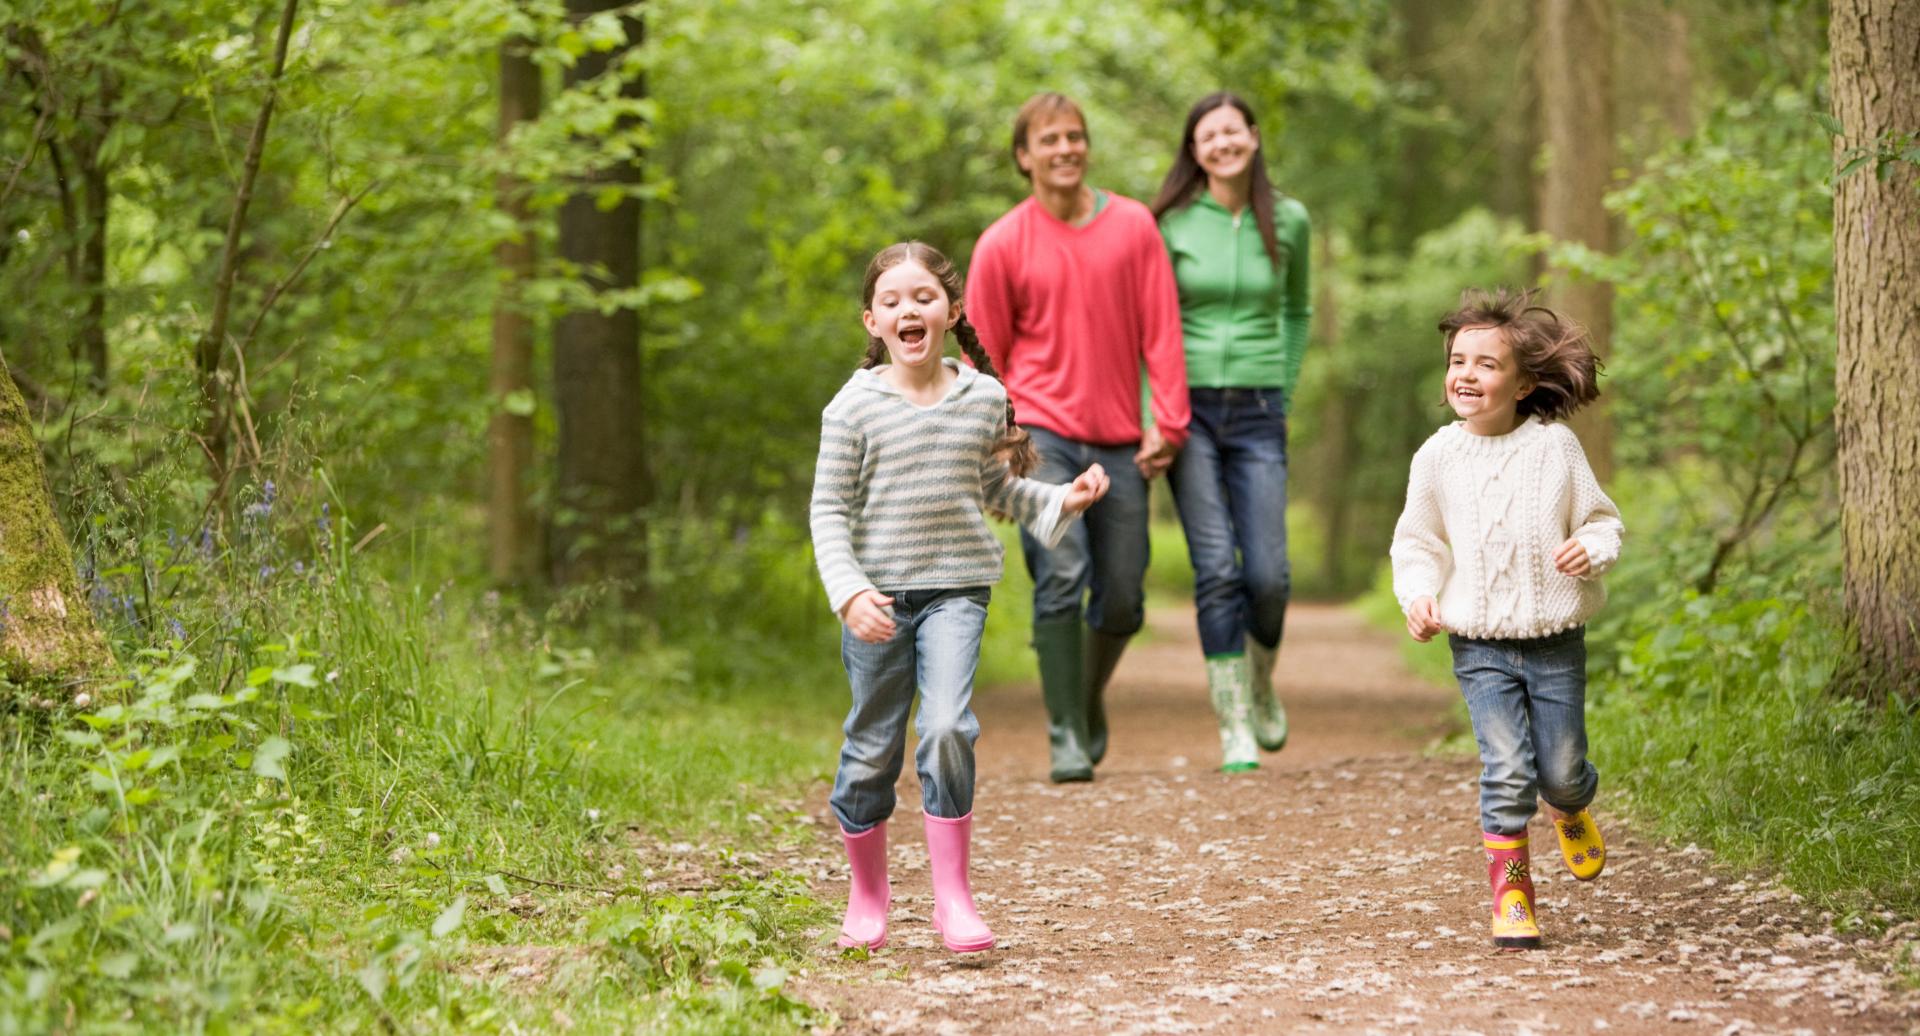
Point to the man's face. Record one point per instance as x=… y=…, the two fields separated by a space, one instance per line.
x=1055 y=155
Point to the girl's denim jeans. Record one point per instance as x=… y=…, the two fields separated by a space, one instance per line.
x=935 y=649
x=1528 y=700
x=1230 y=485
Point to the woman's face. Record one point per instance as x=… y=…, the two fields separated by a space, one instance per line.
x=1223 y=143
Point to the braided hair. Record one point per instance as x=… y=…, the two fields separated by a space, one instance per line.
x=1015 y=446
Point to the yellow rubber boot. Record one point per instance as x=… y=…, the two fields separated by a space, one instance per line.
x=1514 y=926
x=1580 y=843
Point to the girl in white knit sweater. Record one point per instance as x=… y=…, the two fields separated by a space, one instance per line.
x=1504 y=538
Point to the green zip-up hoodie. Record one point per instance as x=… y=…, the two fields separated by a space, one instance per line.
x=1245 y=323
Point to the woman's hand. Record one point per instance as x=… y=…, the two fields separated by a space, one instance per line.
x=1423 y=619
x=1090 y=486
x=1572 y=559
x=866 y=616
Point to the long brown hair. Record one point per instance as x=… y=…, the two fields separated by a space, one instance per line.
x=1016 y=446
x=1186 y=179
x=1554 y=353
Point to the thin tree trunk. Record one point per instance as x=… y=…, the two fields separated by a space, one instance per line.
x=1572 y=68
x=1335 y=491
x=602 y=481
x=1676 y=98
x=510 y=521
x=47 y=634
x=91 y=336
x=1876 y=252
x=213 y=341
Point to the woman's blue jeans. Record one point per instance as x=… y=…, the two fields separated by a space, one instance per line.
x=1528 y=699
x=1230 y=485
x=935 y=649
x=1103 y=556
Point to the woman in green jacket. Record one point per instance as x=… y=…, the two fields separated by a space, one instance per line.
x=1240 y=257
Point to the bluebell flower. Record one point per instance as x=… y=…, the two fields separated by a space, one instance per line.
x=177 y=631
x=266 y=572
x=299 y=568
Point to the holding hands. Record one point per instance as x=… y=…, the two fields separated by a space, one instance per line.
x=1089 y=487
x=1155 y=456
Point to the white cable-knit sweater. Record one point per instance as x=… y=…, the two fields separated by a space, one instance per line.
x=1484 y=515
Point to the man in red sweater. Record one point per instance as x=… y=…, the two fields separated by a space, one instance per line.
x=1071 y=293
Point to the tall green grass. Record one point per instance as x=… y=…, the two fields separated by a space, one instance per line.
x=325 y=794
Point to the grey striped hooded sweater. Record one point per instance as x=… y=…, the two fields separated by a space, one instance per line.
x=900 y=491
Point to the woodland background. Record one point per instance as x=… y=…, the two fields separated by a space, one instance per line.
x=428 y=391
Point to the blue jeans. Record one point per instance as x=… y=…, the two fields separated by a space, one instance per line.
x=935 y=648
x=1230 y=486
x=1528 y=699
x=1104 y=555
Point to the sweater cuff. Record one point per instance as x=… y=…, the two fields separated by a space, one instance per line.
x=1051 y=524
x=1602 y=552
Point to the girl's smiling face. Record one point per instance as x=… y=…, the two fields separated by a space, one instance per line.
x=910 y=313
x=1484 y=381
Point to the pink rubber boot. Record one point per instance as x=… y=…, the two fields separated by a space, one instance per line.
x=954 y=916
x=869 y=894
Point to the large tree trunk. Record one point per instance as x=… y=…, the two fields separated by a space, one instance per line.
x=1876 y=258
x=1336 y=446
x=510 y=522
x=1572 y=69
x=602 y=479
x=47 y=633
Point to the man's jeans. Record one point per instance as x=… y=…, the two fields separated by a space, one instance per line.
x=1230 y=485
x=1528 y=701
x=935 y=648
x=1104 y=555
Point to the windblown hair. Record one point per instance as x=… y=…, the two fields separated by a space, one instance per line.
x=1186 y=179
x=1554 y=354
x=1016 y=446
x=1041 y=106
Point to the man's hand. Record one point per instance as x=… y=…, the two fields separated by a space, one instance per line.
x=1572 y=559
x=1423 y=619
x=1155 y=456
x=1090 y=486
x=866 y=616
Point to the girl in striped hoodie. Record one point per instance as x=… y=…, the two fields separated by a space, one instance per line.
x=914 y=451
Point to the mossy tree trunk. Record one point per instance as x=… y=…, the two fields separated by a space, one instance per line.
x=47 y=635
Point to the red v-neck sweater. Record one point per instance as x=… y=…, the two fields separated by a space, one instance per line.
x=1069 y=313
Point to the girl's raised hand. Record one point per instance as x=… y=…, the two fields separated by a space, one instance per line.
x=1090 y=486
x=866 y=616
x=1423 y=619
x=1572 y=559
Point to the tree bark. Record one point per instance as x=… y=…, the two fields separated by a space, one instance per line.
x=510 y=521
x=1875 y=47
x=1336 y=446
x=602 y=483
x=47 y=634
x=1572 y=68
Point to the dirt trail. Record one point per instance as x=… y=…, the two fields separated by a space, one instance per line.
x=1340 y=888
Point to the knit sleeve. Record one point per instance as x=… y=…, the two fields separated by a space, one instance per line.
x=1420 y=554
x=1592 y=516
x=1296 y=304
x=836 y=477
x=1036 y=505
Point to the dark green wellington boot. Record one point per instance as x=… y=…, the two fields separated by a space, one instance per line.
x=1103 y=654
x=1063 y=688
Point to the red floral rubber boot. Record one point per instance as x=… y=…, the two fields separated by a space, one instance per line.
x=868 y=894
x=954 y=915
x=1514 y=927
x=1580 y=843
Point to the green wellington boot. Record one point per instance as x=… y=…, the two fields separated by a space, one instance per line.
x=1103 y=651
x=1233 y=703
x=1269 y=716
x=1063 y=688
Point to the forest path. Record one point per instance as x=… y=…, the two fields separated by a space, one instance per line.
x=1340 y=888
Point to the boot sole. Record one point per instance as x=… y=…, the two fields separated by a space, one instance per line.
x=1070 y=776
x=966 y=947
x=849 y=944
x=1517 y=942
x=1239 y=767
